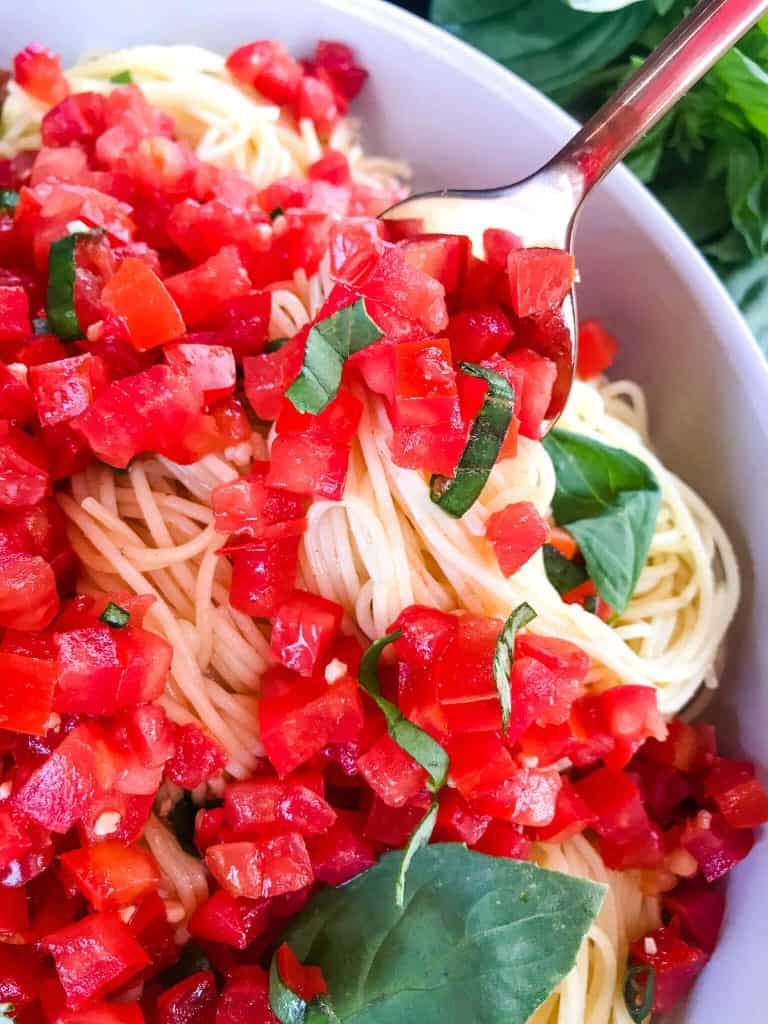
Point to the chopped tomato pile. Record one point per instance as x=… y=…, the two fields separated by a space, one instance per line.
x=134 y=310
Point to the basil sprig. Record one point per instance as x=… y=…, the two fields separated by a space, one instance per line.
x=564 y=574
x=60 y=296
x=329 y=344
x=480 y=938
x=9 y=200
x=486 y=436
x=122 y=78
x=503 y=656
x=638 y=997
x=609 y=501
x=290 y=1008
x=115 y=616
x=425 y=750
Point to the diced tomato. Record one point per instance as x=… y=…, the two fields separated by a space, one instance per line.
x=249 y=508
x=338 y=60
x=111 y=875
x=457 y=822
x=190 y=1001
x=597 y=349
x=299 y=717
x=25 y=847
x=479 y=333
x=305 y=980
x=395 y=284
x=150 y=927
x=332 y=167
x=196 y=758
x=77 y=120
x=24 y=476
x=444 y=257
x=156 y=410
x=539 y=375
x=273 y=805
x=686 y=748
x=19 y=974
x=15 y=325
x=617 y=721
x=26 y=696
x=303 y=631
x=700 y=908
x=38 y=71
x=516 y=532
x=211 y=367
x=539 y=279
x=628 y=837
x=268 y=67
x=261 y=869
x=16 y=401
x=268 y=376
x=14 y=915
x=67 y=387
x=146 y=660
x=94 y=956
x=341 y=852
x=316 y=99
x=716 y=847
x=391 y=773
x=501 y=839
x=572 y=816
x=264 y=572
x=244 y=324
x=663 y=788
x=479 y=763
x=245 y=998
x=232 y=922
x=426 y=631
x=498 y=244
x=201 y=230
x=676 y=965
x=393 y=826
x=526 y=797
x=738 y=794
x=203 y=292
x=28 y=595
x=138 y=296
x=88 y=671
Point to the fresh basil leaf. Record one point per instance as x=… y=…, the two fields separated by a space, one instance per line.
x=114 y=615
x=320 y=1011
x=562 y=573
x=609 y=501
x=290 y=1008
x=486 y=436
x=122 y=78
x=276 y=344
x=638 y=996
x=60 y=295
x=413 y=740
x=748 y=285
x=9 y=199
x=329 y=344
x=418 y=840
x=504 y=655
x=479 y=938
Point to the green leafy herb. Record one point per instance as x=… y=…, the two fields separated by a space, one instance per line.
x=276 y=344
x=504 y=654
x=40 y=325
x=122 y=78
x=564 y=574
x=590 y=604
x=418 y=840
x=278 y=211
x=414 y=741
x=192 y=960
x=9 y=199
x=114 y=615
x=479 y=939
x=638 y=996
x=60 y=296
x=329 y=344
x=290 y=1008
x=609 y=501
x=486 y=436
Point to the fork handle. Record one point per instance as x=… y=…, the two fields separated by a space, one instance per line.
x=687 y=53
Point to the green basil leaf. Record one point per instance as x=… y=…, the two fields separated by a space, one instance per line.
x=479 y=938
x=122 y=78
x=414 y=741
x=486 y=436
x=276 y=344
x=504 y=655
x=60 y=296
x=419 y=839
x=320 y=1011
x=114 y=615
x=329 y=344
x=609 y=500
x=9 y=199
x=562 y=573
x=638 y=998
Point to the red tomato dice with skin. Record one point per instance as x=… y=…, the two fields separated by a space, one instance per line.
x=528 y=797
x=203 y=293
x=498 y=244
x=339 y=61
x=444 y=257
x=190 y=1001
x=14 y=915
x=88 y=671
x=303 y=631
x=393 y=826
x=38 y=71
x=617 y=721
x=267 y=66
x=516 y=533
x=24 y=475
x=273 y=805
x=16 y=399
x=66 y=388
x=112 y=875
x=342 y=852
x=19 y=974
x=26 y=697
x=268 y=376
x=248 y=508
x=457 y=822
x=479 y=333
x=539 y=279
x=317 y=101
x=94 y=956
x=572 y=815
x=738 y=794
x=229 y=921
x=211 y=367
x=539 y=376
x=479 y=764
x=501 y=839
x=15 y=325
x=425 y=634
x=262 y=869
x=597 y=349
x=676 y=965
x=197 y=757
x=245 y=998
x=28 y=595
x=392 y=774
x=264 y=573
x=716 y=847
x=75 y=120
x=144 y=304
x=700 y=908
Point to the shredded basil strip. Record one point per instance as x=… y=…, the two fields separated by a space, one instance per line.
x=278 y=211
x=419 y=839
x=290 y=1008
x=60 y=296
x=122 y=78
x=114 y=615
x=486 y=436
x=632 y=991
x=329 y=344
x=276 y=344
x=9 y=200
x=414 y=741
x=40 y=325
x=562 y=573
x=504 y=655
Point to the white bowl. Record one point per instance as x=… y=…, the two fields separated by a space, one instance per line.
x=462 y=120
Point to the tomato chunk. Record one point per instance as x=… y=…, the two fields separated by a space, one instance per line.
x=197 y=757
x=67 y=387
x=15 y=325
x=230 y=921
x=303 y=631
x=138 y=296
x=479 y=333
x=738 y=794
x=264 y=572
x=305 y=980
x=190 y=1001
x=268 y=67
x=262 y=869
x=516 y=532
x=391 y=773
x=111 y=874
x=28 y=595
x=676 y=965
x=271 y=805
x=24 y=476
x=202 y=293
x=26 y=696
x=341 y=852
x=597 y=349
x=38 y=71
x=539 y=279
x=211 y=367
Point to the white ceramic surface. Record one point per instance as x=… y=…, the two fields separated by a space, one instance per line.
x=464 y=121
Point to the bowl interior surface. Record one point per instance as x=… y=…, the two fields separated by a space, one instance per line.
x=462 y=120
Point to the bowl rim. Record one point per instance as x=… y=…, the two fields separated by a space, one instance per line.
x=727 y=320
